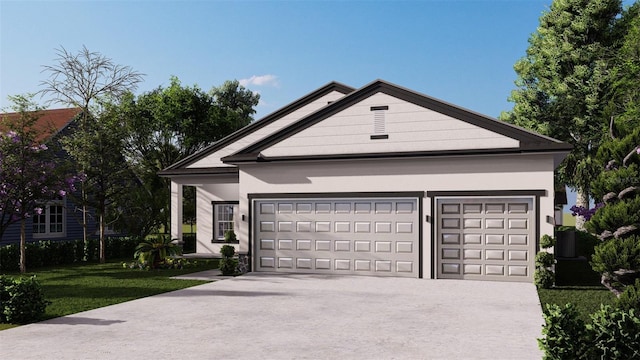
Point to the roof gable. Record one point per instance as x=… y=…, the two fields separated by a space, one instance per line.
x=416 y=125
x=49 y=123
x=210 y=156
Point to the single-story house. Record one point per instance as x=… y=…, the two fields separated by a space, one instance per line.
x=380 y=180
x=60 y=219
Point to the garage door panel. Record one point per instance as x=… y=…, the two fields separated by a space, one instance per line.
x=493 y=241
x=350 y=236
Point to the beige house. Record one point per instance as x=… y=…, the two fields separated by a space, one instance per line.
x=379 y=181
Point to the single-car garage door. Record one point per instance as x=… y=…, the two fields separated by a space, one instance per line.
x=372 y=236
x=485 y=238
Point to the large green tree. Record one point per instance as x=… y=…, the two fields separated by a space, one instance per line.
x=563 y=82
x=168 y=124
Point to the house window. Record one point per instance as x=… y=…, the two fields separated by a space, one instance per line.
x=223 y=219
x=50 y=222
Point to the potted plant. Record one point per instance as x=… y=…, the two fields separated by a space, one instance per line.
x=228 y=264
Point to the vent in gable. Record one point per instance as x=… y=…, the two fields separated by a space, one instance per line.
x=379 y=122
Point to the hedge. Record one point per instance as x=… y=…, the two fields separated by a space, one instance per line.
x=51 y=253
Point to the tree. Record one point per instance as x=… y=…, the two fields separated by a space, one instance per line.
x=168 y=124
x=563 y=82
x=616 y=189
x=29 y=175
x=98 y=150
x=89 y=80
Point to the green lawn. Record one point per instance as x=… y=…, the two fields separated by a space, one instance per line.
x=73 y=289
x=576 y=283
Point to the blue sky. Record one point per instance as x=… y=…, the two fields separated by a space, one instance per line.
x=459 y=51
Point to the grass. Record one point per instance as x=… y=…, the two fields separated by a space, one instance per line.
x=77 y=288
x=576 y=283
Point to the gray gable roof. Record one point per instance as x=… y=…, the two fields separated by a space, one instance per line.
x=529 y=141
x=179 y=167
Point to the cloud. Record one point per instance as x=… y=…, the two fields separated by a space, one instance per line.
x=260 y=80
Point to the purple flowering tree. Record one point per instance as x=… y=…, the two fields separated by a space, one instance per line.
x=29 y=175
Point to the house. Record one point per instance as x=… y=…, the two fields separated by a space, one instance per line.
x=379 y=180
x=59 y=219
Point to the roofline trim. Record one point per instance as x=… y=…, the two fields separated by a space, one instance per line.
x=527 y=138
x=268 y=119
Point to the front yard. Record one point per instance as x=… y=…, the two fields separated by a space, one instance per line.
x=76 y=288
x=576 y=283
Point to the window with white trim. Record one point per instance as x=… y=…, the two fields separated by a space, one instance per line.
x=50 y=221
x=223 y=219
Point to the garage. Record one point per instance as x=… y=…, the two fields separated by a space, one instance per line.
x=485 y=238
x=365 y=236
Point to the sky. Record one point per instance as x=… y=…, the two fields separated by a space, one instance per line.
x=460 y=51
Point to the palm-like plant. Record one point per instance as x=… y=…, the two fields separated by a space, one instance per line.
x=154 y=250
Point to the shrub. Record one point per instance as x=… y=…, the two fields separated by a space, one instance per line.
x=611 y=334
x=22 y=300
x=630 y=297
x=613 y=255
x=154 y=250
x=544 y=259
x=230 y=237
x=547 y=241
x=563 y=333
x=228 y=264
x=614 y=334
x=51 y=253
x=543 y=278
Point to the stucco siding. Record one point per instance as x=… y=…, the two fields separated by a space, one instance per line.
x=214 y=158
x=480 y=173
x=205 y=194
x=409 y=128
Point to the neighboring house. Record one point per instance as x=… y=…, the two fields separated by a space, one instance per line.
x=379 y=180
x=60 y=218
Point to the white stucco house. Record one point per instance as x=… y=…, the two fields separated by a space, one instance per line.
x=379 y=181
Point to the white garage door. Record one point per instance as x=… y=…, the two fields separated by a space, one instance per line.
x=337 y=236
x=486 y=239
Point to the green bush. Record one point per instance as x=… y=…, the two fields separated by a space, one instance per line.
x=617 y=254
x=22 y=300
x=613 y=216
x=154 y=250
x=230 y=237
x=227 y=251
x=544 y=259
x=611 y=334
x=630 y=297
x=547 y=241
x=228 y=266
x=543 y=278
x=9 y=258
x=563 y=333
x=614 y=334
x=51 y=253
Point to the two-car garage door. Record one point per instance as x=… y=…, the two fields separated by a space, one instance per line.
x=369 y=236
x=473 y=237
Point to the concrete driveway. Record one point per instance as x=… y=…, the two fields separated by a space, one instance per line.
x=267 y=316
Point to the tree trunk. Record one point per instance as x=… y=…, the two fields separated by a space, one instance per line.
x=23 y=245
x=582 y=199
x=102 y=244
x=85 y=236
